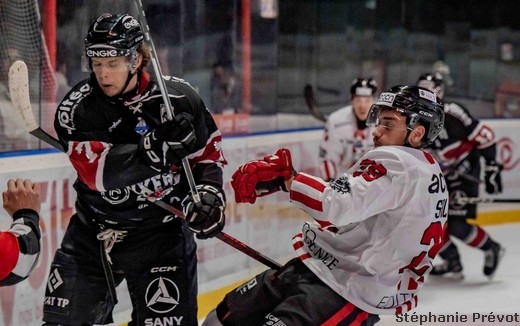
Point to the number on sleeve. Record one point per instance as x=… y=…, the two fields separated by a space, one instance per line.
x=370 y=170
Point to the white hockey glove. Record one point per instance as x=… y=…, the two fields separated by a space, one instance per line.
x=206 y=219
x=169 y=143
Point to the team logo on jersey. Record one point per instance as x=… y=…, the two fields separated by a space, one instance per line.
x=162 y=295
x=141 y=128
x=341 y=184
x=454 y=199
x=116 y=196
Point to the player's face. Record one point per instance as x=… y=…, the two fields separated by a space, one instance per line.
x=361 y=106
x=111 y=74
x=390 y=130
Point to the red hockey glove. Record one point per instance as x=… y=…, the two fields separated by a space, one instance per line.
x=262 y=177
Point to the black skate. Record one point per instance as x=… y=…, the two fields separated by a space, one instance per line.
x=492 y=258
x=451 y=269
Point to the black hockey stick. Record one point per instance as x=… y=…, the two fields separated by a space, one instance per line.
x=331 y=91
x=310 y=100
x=164 y=92
x=233 y=242
x=479 y=200
x=19 y=92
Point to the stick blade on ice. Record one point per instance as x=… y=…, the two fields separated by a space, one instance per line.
x=19 y=92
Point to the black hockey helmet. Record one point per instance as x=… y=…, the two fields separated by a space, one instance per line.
x=363 y=87
x=432 y=81
x=418 y=104
x=113 y=36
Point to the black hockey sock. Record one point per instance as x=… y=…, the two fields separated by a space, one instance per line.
x=488 y=244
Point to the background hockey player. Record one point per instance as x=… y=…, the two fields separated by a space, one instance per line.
x=375 y=229
x=459 y=149
x=346 y=136
x=127 y=154
x=20 y=244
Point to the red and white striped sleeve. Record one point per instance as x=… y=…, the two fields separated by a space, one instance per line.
x=19 y=247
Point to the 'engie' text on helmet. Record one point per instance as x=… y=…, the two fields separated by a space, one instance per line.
x=102 y=53
x=129 y=22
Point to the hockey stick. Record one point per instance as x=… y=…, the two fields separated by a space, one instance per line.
x=470 y=178
x=331 y=91
x=233 y=242
x=19 y=91
x=310 y=100
x=478 y=200
x=162 y=86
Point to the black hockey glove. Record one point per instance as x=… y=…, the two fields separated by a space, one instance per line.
x=206 y=219
x=493 y=178
x=169 y=143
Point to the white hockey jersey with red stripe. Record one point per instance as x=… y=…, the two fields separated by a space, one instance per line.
x=343 y=143
x=376 y=229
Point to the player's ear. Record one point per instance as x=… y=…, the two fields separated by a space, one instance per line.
x=137 y=63
x=416 y=135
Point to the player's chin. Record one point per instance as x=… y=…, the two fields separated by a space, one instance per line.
x=110 y=90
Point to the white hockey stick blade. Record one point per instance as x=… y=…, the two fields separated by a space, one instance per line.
x=19 y=91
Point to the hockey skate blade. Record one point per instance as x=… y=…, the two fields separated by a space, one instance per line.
x=447 y=277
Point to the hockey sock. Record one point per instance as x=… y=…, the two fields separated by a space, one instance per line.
x=478 y=238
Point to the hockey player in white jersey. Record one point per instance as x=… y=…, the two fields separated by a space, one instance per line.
x=374 y=231
x=346 y=136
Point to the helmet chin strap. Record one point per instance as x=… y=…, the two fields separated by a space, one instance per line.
x=406 y=142
x=128 y=79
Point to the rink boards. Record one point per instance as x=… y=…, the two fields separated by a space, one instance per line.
x=267 y=226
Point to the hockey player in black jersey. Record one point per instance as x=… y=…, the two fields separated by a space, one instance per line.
x=127 y=154
x=459 y=149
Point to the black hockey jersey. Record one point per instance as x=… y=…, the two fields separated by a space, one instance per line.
x=102 y=134
x=463 y=140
